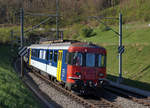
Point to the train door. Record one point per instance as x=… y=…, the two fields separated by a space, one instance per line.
x=47 y=58
x=64 y=67
x=29 y=56
x=59 y=64
x=42 y=60
x=55 y=58
x=52 y=63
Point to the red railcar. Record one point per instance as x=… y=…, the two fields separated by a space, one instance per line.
x=86 y=66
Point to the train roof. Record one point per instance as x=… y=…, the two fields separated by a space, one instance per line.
x=64 y=45
x=51 y=46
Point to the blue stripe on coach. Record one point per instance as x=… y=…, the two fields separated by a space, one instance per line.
x=39 y=60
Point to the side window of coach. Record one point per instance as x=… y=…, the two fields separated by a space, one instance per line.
x=51 y=55
x=38 y=53
x=33 y=52
x=44 y=55
x=41 y=54
x=47 y=53
x=55 y=56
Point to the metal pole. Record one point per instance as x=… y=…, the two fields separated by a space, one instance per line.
x=21 y=38
x=120 y=45
x=57 y=18
x=22 y=25
x=11 y=34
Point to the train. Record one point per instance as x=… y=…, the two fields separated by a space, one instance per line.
x=79 y=66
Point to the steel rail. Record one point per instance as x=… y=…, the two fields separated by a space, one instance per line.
x=94 y=104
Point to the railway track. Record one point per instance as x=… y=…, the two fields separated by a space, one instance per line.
x=90 y=103
x=129 y=95
x=102 y=103
x=99 y=102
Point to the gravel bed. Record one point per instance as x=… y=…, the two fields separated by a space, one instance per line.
x=123 y=102
x=59 y=98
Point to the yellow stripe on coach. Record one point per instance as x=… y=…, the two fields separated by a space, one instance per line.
x=30 y=57
x=59 y=65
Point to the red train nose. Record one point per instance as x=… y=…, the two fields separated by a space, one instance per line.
x=89 y=74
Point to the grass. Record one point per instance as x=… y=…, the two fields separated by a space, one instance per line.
x=13 y=94
x=135 y=62
x=5 y=34
x=132 y=10
x=132 y=34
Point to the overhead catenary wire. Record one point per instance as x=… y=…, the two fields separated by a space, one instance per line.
x=97 y=18
x=41 y=14
x=36 y=26
x=100 y=17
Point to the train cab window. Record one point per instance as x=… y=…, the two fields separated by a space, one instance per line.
x=101 y=61
x=55 y=56
x=90 y=60
x=104 y=61
x=75 y=59
x=51 y=55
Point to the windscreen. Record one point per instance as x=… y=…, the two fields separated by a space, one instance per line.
x=75 y=59
x=90 y=60
x=86 y=59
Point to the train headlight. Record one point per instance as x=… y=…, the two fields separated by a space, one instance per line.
x=101 y=74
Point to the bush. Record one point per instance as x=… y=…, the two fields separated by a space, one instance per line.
x=87 y=32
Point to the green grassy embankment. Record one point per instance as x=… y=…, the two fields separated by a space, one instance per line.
x=132 y=10
x=5 y=34
x=136 y=62
x=13 y=93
